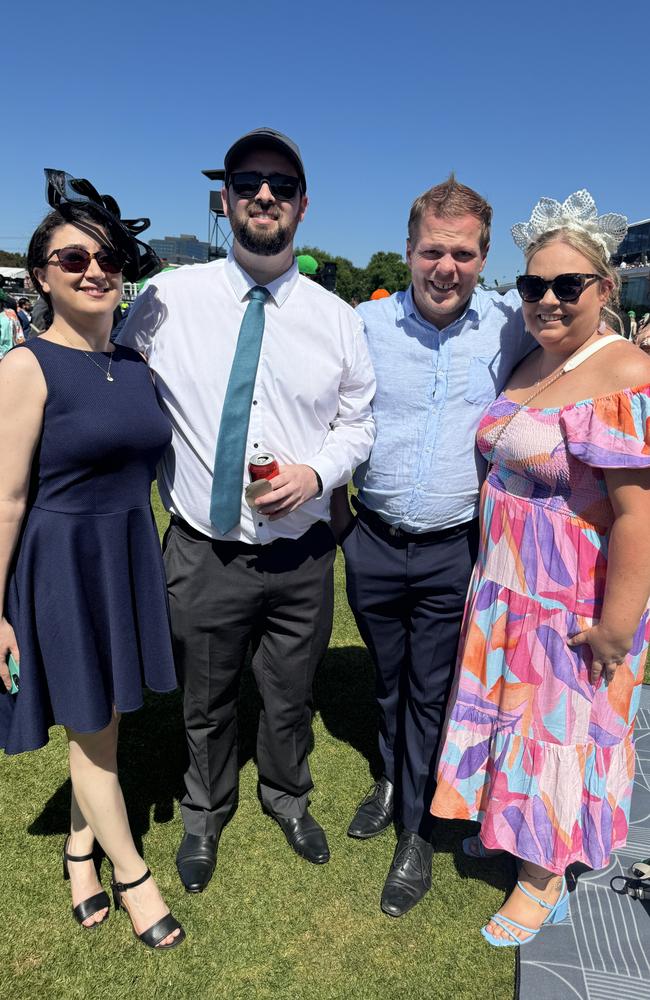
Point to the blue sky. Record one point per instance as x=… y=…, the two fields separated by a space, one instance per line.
x=520 y=100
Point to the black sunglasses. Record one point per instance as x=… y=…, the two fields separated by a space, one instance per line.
x=246 y=183
x=565 y=287
x=76 y=260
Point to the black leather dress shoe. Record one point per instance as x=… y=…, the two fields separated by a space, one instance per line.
x=375 y=813
x=409 y=878
x=195 y=860
x=306 y=836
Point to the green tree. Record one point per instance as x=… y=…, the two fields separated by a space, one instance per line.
x=387 y=270
x=351 y=281
x=9 y=259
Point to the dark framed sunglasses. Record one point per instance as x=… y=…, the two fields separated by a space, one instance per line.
x=565 y=287
x=76 y=260
x=246 y=184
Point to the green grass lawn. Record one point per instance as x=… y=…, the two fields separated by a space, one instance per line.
x=270 y=925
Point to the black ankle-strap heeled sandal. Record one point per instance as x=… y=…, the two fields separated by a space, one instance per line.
x=158 y=931
x=87 y=907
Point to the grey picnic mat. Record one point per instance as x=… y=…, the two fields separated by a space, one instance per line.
x=602 y=950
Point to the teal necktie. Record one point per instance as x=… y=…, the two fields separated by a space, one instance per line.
x=228 y=479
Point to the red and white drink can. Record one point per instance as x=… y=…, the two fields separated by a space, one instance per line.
x=263 y=466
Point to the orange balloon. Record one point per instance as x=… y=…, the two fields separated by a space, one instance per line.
x=379 y=293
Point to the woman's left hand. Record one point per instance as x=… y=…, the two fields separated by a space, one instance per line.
x=608 y=649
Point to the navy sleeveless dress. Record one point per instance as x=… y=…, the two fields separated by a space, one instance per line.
x=86 y=595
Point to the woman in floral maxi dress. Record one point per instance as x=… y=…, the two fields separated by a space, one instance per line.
x=539 y=743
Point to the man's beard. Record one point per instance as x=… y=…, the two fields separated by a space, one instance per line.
x=261 y=242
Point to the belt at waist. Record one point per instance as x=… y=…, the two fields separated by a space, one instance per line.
x=244 y=547
x=187 y=529
x=391 y=533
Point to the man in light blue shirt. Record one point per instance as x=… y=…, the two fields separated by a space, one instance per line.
x=442 y=351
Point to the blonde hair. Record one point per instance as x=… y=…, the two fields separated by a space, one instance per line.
x=595 y=253
x=451 y=200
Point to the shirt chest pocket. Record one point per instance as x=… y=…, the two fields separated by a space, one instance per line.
x=480 y=382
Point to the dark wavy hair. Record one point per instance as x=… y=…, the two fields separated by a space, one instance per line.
x=89 y=219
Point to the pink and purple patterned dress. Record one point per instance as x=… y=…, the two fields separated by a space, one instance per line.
x=536 y=753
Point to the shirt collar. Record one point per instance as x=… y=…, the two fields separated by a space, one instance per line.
x=279 y=289
x=473 y=312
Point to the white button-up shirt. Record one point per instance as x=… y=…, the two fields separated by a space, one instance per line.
x=313 y=389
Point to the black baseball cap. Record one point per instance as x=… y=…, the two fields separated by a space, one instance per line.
x=271 y=139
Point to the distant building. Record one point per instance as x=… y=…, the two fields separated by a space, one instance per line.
x=183 y=249
x=635 y=287
x=635 y=248
x=633 y=261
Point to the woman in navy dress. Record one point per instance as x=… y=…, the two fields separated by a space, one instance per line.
x=82 y=586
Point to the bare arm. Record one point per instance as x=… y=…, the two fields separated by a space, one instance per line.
x=627 y=587
x=22 y=399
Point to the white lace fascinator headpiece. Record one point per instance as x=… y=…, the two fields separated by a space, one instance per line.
x=579 y=212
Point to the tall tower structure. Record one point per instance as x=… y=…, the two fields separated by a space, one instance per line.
x=219 y=234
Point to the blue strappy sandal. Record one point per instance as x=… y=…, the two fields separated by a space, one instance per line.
x=556 y=914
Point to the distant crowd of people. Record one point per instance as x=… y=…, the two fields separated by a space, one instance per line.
x=15 y=322
x=638 y=331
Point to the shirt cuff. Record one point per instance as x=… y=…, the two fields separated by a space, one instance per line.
x=327 y=472
x=319 y=492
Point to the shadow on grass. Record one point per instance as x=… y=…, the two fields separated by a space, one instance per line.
x=152 y=754
x=151 y=761
x=344 y=695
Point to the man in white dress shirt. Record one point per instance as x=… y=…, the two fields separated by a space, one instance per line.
x=267 y=579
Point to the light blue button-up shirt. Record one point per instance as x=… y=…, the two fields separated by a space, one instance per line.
x=433 y=387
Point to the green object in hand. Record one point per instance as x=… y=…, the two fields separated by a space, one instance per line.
x=14 y=673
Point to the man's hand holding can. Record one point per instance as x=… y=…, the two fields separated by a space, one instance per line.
x=291 y=487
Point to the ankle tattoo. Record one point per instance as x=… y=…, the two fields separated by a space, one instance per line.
x=539 y=878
